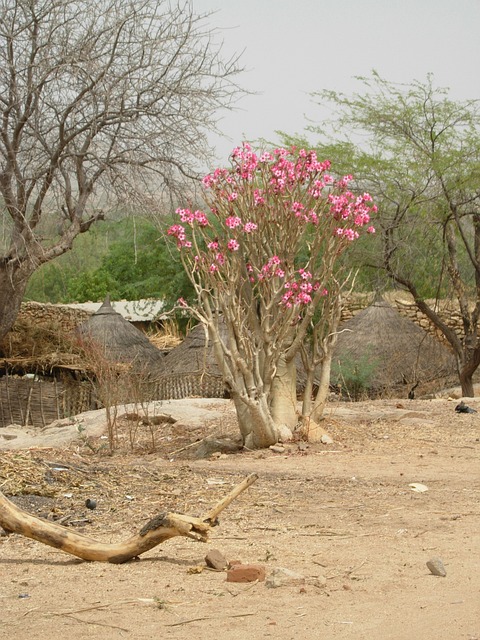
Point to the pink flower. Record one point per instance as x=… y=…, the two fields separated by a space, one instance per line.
x=213 y=246
x=185 y=215
x=297 y=208
x=258 y=197
x=233 y=221
x=306 y=275
x=303 y=298
x=248 y=227
x=201 y=218
x=350 y=234
x=178 y=232
x=233 y=245
x=371 y=230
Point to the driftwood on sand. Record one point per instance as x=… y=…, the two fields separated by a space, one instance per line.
x=160 y=528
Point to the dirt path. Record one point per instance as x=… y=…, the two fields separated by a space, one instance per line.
x=341 y=515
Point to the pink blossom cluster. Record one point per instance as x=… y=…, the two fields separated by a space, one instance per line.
x=354 y=209
x=286 y=172
x=246 y=161
x=189 y=217
x=178 y=232
x=299 y=290
x=290 y=189
x=271 y=268
x=303 y=214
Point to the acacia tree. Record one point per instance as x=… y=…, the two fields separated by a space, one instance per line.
x=101 y=102
x=420 y=158
x=263 y=265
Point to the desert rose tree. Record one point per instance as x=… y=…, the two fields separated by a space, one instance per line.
x=264 y=262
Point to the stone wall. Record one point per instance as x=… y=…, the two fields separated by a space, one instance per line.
x=69 y=317
x=53 y=314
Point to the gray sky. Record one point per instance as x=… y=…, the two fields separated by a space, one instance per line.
x=294 y=47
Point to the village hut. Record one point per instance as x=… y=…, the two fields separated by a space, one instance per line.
x=55 y=368
x=190 y=369
x=117 y=341
x=380 y=352
x=40 y=369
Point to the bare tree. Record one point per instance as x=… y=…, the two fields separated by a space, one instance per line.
x=101 y=101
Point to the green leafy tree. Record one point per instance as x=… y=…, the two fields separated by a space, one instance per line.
x=139 y=264
x=418 y=153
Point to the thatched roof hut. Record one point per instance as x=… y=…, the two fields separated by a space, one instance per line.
x=120 y=341
x=190 y=369
x=380 y=351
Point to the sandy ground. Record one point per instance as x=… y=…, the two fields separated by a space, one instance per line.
x=342 y=515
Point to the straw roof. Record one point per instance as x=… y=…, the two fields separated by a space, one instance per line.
x=192 y=355
x=120 y=341
x=395 y=351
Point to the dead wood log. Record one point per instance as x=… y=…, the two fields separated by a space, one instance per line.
x=160 y=528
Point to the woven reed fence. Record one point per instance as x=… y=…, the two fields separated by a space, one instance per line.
x=38 y=403
x=177 y=386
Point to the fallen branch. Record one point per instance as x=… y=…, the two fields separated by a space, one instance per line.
x=162 y=527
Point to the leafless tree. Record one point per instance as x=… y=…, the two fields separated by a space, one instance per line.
x=101 y=100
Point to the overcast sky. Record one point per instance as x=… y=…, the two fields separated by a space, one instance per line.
x=294 y=47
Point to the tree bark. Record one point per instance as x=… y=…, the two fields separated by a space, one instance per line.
x=157 y=530
x=255 y=422
x=466 y=381
x=284 y=394
x=12 y=289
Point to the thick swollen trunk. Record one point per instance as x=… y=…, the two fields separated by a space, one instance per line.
x=284 y=394
x=12 y=289
x=255 y=422
x=312 y=409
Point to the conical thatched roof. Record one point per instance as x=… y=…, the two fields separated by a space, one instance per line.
x=120 y=341
x=384 y=350
x=193 y=355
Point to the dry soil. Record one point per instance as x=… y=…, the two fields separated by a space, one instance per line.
x=343 y=515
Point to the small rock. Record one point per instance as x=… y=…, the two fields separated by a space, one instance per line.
x=326 y=439
x=246 y=573
x=216 y=560
x=277 y=448
x=90 y=504
x=436 y=567
x=320 y=582
x=280 y=577
x=418 y=487
x=284 y=433
x=213 y=444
